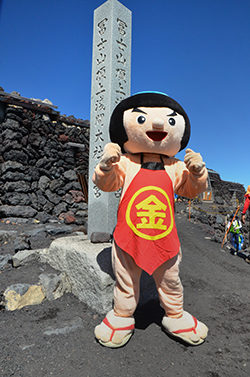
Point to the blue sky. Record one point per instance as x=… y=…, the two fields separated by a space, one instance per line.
x=198 y=52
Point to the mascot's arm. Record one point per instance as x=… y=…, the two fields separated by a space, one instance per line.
x=190 y=175
x=110 y=172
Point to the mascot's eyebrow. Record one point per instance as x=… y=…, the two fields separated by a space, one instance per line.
x=138 y=110
x=172 y=115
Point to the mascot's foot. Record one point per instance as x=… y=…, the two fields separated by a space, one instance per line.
x=115 y=331
x=186 y=328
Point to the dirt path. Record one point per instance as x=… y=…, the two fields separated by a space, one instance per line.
x=56 y=338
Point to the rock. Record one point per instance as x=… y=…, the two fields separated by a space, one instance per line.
x=208 y=229
x=203 y=218
x=67 y=327
x=100 y=237
x=70 y=175
x=89 y=269
x=72 y=185
x=34 y=139
x=218 y=236
x=43 y=183
x=219 y=200
x=77 y=257
x=17 y=198
x=17 y=211
x=47 y=101
x=48 y=207
x=63 y=138
x=55 y=231
x=11 y=135
x=37 y=235
x=5 y=262
x=68 y=199
x=61 y=207
x=81 y=221
x=53 y=197
x=46 y=118
x=42 y=162
x=56 y=184
x=41 y=198
x=33 y=173
x=17 y=220
x=20 y=186
x=24 y=257
x=15 y=176
x=80 y=230
x=15 y=93
x=77 y=196
x=16 y=155
x=7 y=235
x=43 y=217
x=11 y=166
x=220 y=220
x=22 y=242
x=70 y=219
x=54 y=286
x=19 y=295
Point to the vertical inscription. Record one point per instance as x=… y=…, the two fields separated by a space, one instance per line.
x=120 y=72
x=101 y=80
x=99 y=94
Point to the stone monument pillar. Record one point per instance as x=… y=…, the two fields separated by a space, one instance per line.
x=110 y=84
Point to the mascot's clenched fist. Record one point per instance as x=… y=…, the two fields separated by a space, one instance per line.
x=111 y=154
x=147 y=130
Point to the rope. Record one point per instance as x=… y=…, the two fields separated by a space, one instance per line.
x=211 y=213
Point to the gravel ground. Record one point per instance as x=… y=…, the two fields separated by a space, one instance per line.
x=56 y=338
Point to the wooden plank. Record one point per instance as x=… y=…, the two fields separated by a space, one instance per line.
x=29 y=105
x=20 y=98
x=69 y=120
x=84 y=185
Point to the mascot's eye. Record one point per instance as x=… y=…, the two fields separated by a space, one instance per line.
x=141 y=119
x=171 y=121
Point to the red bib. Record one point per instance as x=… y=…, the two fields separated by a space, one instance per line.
x=146 y=227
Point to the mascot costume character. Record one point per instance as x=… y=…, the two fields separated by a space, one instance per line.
x=147 y=130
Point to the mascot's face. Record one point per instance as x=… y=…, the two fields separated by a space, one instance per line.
x=153 y=130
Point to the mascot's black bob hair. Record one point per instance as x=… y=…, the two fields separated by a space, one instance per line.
x=146 y=99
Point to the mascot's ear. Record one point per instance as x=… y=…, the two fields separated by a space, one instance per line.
x=186 y=135
x=117 y=131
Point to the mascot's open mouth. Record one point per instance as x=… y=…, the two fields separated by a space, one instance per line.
x=156 y=135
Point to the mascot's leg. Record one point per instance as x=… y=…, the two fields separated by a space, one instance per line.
x=177 y=322
x=118 y=326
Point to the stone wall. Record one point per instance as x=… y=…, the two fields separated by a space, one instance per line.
x=37 y=176
x=223 y=191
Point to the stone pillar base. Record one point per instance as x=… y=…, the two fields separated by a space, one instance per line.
x=88 y=267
